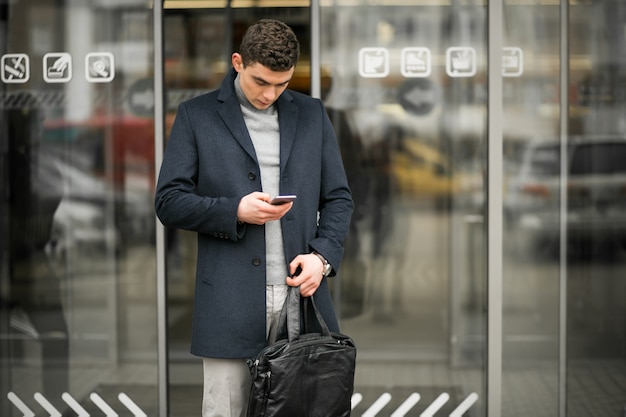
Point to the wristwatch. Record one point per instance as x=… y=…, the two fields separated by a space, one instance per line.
x=327 y=266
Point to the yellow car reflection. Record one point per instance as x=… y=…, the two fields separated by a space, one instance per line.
x=422 y=171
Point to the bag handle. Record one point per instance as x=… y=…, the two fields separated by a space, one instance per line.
x=318 y=315
x=289 y=319
x=291 y=309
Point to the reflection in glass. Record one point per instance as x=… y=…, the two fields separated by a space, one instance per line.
x=590 y=251
x=34 y=298
x=596 y=207
x=411 y=288
x=531 y=176
x=77 y=278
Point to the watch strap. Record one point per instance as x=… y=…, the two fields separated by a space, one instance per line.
x=327 y=266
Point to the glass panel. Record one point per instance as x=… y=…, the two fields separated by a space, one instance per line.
x=595 y=223
x=407 y=93
x=531 y=162
x=198 y=47
x=596 y=211
x=77 y=317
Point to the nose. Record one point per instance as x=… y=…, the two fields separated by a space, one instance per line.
x=270 y=93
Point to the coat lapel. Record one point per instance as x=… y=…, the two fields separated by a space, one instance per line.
x=287 y=120
x=230 y=112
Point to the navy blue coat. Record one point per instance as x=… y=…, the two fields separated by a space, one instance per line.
x=209 y=164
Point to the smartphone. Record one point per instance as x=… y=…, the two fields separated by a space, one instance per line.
x=282 y=199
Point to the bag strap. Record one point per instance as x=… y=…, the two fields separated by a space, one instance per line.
x=292 y=313
x=318 y=316
x=289 y=320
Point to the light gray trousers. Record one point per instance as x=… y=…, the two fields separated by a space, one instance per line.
x=227 y=381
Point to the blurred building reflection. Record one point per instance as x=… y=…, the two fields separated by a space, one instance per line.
x=406 y=88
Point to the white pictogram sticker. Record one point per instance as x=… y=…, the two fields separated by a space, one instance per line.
x=57 y=67
x=461 y=62
x=512 y=62
x=373 y=62
x=99 y=67
x=416 y=62
x=15 y=68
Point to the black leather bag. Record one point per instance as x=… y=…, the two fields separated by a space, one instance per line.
x=304 y=375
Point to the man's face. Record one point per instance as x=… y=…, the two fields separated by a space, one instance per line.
x=261 y=86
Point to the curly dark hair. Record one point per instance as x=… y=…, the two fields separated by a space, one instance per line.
x=270 y=43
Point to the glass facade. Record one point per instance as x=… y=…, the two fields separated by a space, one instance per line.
x=406 y=85
x=408 y=99
x=78 y=253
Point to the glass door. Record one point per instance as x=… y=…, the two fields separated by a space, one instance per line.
x=564 y=254
x=405 y=88
x=407 y=93
x=77 y=254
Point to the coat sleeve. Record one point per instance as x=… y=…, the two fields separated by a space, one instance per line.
x=335 y=205
x=177 y=202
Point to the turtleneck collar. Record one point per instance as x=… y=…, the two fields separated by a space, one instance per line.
x=243 y=100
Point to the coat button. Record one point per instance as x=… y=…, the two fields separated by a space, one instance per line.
x=251 y=176
x=256 y=262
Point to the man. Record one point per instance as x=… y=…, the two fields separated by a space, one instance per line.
x=230 y=151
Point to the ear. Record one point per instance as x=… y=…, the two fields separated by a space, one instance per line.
x=237 y=62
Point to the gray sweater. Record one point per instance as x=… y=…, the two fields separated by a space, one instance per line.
x=264 y=132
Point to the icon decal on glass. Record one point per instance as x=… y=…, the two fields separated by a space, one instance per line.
x=15 y=68
x=99 y=67
x=57 y=67
x=415 y=62
x=373 y=62
x=461 y=62
x=512 y=62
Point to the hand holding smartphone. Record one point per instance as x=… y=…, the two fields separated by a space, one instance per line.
x=282 y=199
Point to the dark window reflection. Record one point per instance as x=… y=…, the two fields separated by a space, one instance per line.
x=600 y=158
x=34 y=190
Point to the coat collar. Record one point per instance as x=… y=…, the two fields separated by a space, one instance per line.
x=230 y=112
